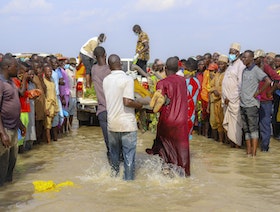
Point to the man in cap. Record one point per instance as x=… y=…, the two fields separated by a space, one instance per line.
x=219 y=113
x=259 y=56
x=87 y=56
x=231 y=96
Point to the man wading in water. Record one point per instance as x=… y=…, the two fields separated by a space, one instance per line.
x=172 y=139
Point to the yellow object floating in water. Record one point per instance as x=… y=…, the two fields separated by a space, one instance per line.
x=43 y=186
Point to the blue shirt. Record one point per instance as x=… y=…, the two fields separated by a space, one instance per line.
x=56 y=75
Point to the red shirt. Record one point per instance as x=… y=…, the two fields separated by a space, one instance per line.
x=24 y=100
x=273 y=76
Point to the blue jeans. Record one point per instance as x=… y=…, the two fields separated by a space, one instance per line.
x=265 y=124
x=102 y=117
x=124 y=142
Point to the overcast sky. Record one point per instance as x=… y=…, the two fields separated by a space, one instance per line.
x=176 y=27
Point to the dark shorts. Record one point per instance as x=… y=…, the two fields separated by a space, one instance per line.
x=250 y=121
x=88 y=62
x=142 y=64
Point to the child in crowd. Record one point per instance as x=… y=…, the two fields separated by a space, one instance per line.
x=51 y=101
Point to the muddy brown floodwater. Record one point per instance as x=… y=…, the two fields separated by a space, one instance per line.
x=222 y=178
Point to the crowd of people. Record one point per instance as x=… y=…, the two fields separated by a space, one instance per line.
x=38 y=103
x=233 y=99
x=228 y=94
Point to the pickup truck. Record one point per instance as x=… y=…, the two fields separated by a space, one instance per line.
x=87 y=101
x=86 y=105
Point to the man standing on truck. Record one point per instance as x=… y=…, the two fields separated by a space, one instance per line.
x=98 y=72
x=87 y=56
x=142 y=47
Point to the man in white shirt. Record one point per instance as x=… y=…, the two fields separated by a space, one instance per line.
x=231 y=86
x=122 y=126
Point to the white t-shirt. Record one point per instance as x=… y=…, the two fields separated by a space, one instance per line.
x=88 y=48
x=116 y=86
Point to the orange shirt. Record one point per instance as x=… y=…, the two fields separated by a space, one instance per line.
x=205 y=87
x=81 y=71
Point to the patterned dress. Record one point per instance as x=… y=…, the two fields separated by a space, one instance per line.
x=193 y=86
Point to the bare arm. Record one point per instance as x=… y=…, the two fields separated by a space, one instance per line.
x=22 y=128
x=132 y=103
x=139 y=70
x=267 y=83
x=157 y=75
x=23 y=86
x=88 y=81
x=3 y=135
